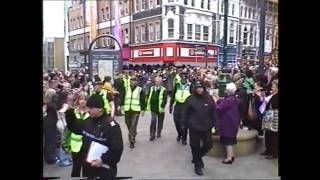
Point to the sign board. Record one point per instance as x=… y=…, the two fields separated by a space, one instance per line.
x=146 y=52
x=105 y=63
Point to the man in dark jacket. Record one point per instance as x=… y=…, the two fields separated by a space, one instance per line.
x=101 y=129
x=199 y=116
x=118 y=85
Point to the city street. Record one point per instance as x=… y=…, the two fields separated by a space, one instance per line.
x=166 y=159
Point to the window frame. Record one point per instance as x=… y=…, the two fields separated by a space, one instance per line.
x=157 y=31
x=151 y=31
x=143 y=33
x=245 y=32
x=171 y=35
x=189 y=37
x=195 y=32
x=232 y=9
x=207 y=33
x=232 y=33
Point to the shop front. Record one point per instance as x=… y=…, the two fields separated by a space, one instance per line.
x=176 y=53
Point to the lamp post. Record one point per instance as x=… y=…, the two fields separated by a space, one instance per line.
x=262 y=35
x=225 y=33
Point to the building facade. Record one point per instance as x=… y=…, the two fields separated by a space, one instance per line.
x=165 y=31
x=53 y=54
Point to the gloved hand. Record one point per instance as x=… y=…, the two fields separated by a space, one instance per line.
x=170 y=109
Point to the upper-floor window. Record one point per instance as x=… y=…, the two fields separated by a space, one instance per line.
x=103 y=15
x=245 y=12
x=151 y=32
x=158 y=31
x=202 y=3
x=108 y=13
x=170 y=28
x=198 y=32
x=143 y=4
x=231 y=33
x=205 y=33
x=143 y=33
x=138 y=5
x=185 y=2
x=232 y=10
x=137 y=33
x=189 y=31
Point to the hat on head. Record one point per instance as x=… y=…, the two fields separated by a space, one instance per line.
x=95 y=101
x=198 y=84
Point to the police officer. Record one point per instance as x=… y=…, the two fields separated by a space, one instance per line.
x=107 y=97
x=157 y=100
x=102 y=129
x=180 y=93
x=199 y=115
x=75 y=117
x=134 y=103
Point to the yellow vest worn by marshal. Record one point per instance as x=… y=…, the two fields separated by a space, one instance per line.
x=104 y=95
x=177 y=79
x=160 y=98
x=132 y=99
x=76 y=140
x=182 y=93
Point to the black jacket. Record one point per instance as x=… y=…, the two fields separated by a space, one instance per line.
x=199 y=112
x=73 y=124
x=107 y=132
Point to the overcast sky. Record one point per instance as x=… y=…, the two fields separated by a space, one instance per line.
x=53 y=20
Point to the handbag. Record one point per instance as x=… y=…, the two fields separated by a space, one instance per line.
x=270 y=120
x=252 y=113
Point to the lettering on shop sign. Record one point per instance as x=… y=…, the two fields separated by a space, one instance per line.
x=146 y=52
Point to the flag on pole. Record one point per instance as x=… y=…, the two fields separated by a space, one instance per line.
x=117 y=28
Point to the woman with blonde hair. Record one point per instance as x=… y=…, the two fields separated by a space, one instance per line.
x=75 y=117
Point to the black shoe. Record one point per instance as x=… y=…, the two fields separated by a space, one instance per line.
x=271 y=157
x=184 y=142
x=201 y=163
x=131 y=145
x=264 y=154
x=159 y=136
x=227 y=161
x=152 y=138
x=198 y=170
x=178 y=138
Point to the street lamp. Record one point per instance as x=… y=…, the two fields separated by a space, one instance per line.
x=225 y=33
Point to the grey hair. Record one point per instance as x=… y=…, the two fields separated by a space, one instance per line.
x=231 y=88
x=49 y=95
